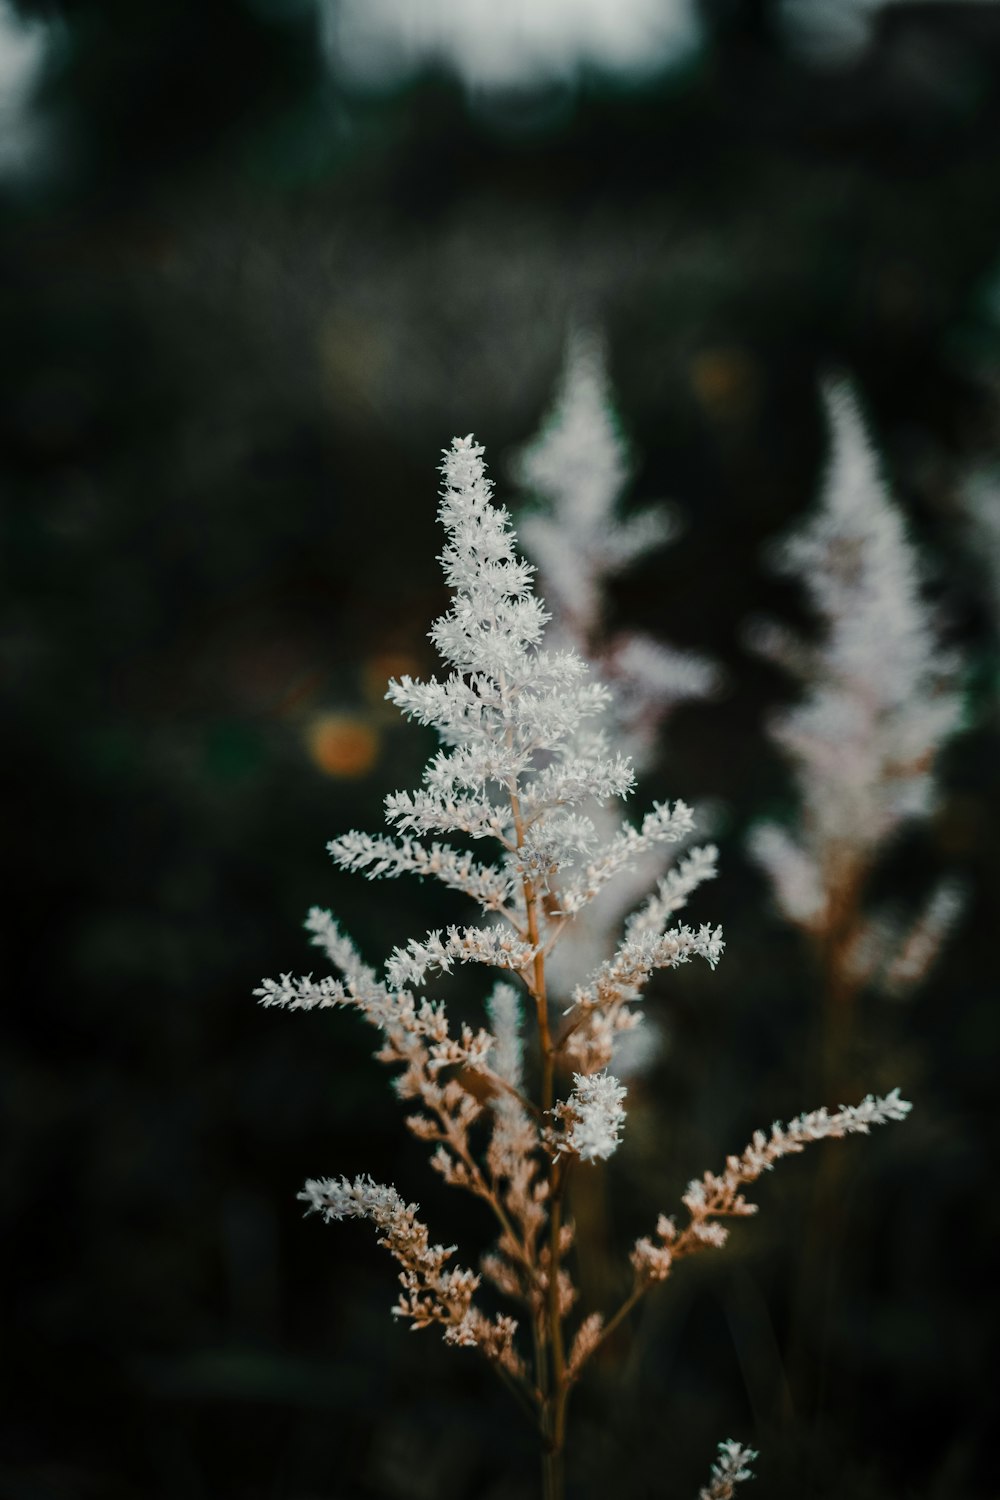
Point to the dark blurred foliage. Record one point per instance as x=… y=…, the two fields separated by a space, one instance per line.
x=244 y=308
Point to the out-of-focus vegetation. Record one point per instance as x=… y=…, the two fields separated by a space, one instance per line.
x=246 y=302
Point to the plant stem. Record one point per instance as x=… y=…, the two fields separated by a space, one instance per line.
x=559 y=1388
x=553 y=1487
x=549 y=1353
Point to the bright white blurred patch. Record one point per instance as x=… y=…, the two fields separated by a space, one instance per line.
x=507 y=43
x=22 y=51
x=834 y=31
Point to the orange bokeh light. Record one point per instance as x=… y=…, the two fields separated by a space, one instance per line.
x=341 y=745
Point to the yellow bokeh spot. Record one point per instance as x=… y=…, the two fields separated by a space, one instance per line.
x=341 y=745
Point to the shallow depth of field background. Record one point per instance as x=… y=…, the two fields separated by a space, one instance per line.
x=259 y=261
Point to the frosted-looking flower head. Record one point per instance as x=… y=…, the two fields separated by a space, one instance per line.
x=593 y=1116
x=576 y=470
x=504 y=1007
x=880 y=696
x=579 y=463
x=524 y=767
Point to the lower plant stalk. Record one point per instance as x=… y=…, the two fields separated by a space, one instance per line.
x=553 y=1474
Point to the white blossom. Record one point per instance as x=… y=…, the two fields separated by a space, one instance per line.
x=481 y=945
x=730 y=1469
x=338 y=1198
x=339 y=949
x=423 y=812
x=578 y=464
x=378 y=856
x=504 y=1010
x=673 y=890
x=593 y=1116
x=621 y=977
x=305 y=993
x=576 y=470
x=664 y=825
x=431 y=1293
x=880 y=696
x=520 y=764
x=719 y=1195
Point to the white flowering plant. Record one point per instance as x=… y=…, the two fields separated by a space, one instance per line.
x=523 y=761
x=577 y=530
x=880 y=701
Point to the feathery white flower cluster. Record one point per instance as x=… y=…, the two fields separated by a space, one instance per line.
x=880 y=701
x=575 y=471
x=430 y=1293
x=673 y=890
x=375 y=857
x=600 y=1009
x=713 y=1196
x=593 y=1116
x=578 y=464
x=504 y=1009
x=730 y=1469
x=480 y=945
x=522 y=764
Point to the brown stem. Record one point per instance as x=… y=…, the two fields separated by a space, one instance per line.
x=550 y=1354
x=552 y=1474
x=551 y=1378
x=541 y=1361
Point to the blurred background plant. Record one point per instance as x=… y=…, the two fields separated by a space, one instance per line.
x=879 y=702
x=247 y=285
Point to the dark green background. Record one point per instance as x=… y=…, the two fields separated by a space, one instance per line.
x=243 y=311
